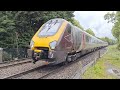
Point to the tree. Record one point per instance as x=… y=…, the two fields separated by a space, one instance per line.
x=108 y=40
x=110 y=17
x=90 y=32
x=7 y=29
x=28 y=22
x=115 y=18
x=76 y=23
x=18 y=27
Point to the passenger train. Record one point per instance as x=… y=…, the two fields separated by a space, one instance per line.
x=58 y=40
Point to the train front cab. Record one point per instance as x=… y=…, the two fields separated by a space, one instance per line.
x=49 y=44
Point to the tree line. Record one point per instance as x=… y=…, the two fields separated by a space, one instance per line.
x=18 y=27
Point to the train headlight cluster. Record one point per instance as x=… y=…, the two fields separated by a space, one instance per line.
x=53 y=44
x=31 y=43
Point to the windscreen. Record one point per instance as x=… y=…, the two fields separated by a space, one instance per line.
x=50 y=28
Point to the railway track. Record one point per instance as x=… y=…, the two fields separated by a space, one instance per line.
x=44 y=71
x=56 y=70
x=14 y=63
x=83 y=57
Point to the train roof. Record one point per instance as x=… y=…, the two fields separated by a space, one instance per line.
x=59 y=19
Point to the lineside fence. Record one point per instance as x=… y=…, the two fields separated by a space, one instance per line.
x=12 y=54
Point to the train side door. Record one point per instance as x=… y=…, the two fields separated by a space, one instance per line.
x=74 y=39
x=83 y=40
x=68 y=38
x=79 y=40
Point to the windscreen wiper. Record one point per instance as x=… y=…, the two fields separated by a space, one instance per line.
x=51 y=24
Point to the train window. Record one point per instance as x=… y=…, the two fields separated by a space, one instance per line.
x=49 y=28
x=69 y=29
x=87 y=38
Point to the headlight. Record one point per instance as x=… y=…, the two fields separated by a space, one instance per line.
x=31 y=43
x=53 y=44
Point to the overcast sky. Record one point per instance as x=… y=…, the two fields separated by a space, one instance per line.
x=95 y=21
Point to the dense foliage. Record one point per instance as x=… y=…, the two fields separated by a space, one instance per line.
x=90 y=32
x=18 y=27
x=76 y=23
x=108 y=40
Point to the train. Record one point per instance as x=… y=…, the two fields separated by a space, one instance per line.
x=59 y=41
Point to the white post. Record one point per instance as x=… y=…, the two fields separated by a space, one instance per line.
x=1 y=54
x=29 y=52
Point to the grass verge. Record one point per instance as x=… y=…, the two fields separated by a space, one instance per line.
x=99 y=70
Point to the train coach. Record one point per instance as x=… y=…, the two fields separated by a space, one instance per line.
x=58 y=40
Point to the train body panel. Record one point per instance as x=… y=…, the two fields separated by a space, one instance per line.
x=76 y=39
x=64 y=44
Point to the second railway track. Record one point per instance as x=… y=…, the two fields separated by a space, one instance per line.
x=36 y=73
x=14 y=63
